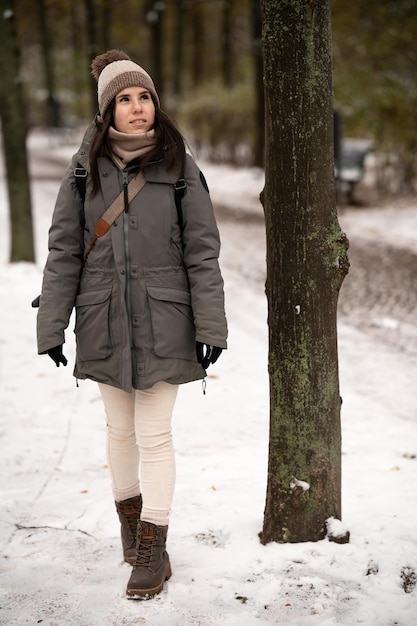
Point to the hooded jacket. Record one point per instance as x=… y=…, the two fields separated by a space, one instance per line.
x=148 y=291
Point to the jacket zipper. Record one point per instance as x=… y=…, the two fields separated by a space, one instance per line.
x=127 y=260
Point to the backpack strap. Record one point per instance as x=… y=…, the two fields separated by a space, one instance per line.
x=179 y=191
x=81 y=174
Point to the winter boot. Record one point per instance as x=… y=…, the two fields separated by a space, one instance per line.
x=152 y=567
x=129 y=514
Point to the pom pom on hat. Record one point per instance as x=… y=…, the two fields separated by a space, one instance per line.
x=99 y=63
x=115 y=71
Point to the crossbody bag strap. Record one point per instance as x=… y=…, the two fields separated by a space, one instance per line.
x=115 y=209
x=117 y=206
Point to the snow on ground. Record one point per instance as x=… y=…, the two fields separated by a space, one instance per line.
x=60 y=551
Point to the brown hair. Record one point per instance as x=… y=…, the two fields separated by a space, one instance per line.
x=169 y=144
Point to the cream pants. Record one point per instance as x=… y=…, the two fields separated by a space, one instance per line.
x=140 y=451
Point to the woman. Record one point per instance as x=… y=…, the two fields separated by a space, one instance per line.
x=148 y=295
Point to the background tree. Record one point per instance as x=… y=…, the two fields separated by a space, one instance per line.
x=259 y=135
x=155 y=19
x=52 y=111
x=93 y=48
x=306 y=264
x=178 y=47
x=199 y=56
x=12 y=112
x=79 y=75
x=106 y=23
x=227 y=46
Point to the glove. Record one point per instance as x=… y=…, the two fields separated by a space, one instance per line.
x=207 y=354
x=57 y=356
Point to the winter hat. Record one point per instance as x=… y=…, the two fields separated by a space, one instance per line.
x=115 y=71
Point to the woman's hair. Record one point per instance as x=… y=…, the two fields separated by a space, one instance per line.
x=170 y=144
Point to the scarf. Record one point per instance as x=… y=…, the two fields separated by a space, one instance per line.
x=126 y=147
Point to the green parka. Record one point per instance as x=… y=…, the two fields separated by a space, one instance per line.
x=148 y=292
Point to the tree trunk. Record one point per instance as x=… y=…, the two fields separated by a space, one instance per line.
x=155 y=17
x=106 y=23
x=306 y=264
x=12 y=113
x=93 y=48
x=259 y=138
x=227 y=51
x=178 y=69
x=80 y=69
x=53 y=109
x=198 y=69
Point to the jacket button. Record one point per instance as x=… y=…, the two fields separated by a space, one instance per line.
x=122 y=272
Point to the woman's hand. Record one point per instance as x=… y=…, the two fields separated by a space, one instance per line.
x=57 y=356
x=207 y=354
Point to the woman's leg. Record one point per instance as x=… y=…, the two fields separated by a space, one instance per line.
x=153 y=416
x=122 y=449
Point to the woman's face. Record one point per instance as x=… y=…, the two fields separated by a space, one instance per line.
x=134 y=111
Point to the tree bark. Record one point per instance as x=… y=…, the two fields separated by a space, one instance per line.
x=155 y=17
x=14 y=132
x=259 y=138
x=198 y=62
x=178 y=69
x=227 y=51
x=306 y=264
x=52 y=109
x=93 y=49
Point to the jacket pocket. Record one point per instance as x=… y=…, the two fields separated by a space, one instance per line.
x=92 y=325
x=172 y=323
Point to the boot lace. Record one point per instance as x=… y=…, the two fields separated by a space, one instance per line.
x=145 y=550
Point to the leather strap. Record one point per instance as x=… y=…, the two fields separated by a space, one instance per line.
x=115 y=209
x=117 y=206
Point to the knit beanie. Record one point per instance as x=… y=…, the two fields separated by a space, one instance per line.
x=115 y=71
